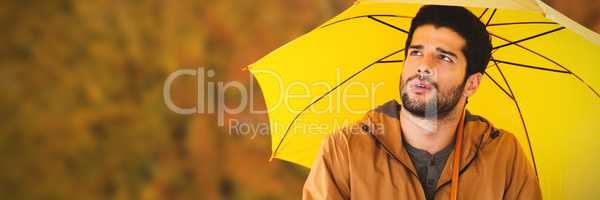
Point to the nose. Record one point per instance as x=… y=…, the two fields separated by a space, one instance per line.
x=425 y=68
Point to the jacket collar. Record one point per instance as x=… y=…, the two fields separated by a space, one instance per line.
x=383 y=123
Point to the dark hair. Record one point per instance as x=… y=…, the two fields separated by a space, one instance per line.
x=478 y=46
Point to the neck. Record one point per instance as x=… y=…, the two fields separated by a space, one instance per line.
x=431 y=135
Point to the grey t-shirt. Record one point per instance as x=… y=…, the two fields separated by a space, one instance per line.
x=429 y=167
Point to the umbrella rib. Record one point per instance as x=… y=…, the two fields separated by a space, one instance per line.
x=530 y=37
x=490 y=19
x=387 y=24
x=531 y=66
x=548 y=59
x=532 y=51
x=519 y=23
x=390 y=61
x=361 y=16
x=483 y=13
x=520 y=115
x=497 y=84
x=287 y=130
x=503 y=77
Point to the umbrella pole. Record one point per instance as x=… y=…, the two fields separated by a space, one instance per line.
x=457 y=153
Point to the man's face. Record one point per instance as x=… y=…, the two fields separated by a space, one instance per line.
x=432 y=80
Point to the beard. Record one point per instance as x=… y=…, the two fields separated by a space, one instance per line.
x=439 y=107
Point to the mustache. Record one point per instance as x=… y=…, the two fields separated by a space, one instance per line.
x=426 y=79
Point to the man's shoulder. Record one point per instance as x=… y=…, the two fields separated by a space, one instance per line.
x=499 y=140
x=493 y=135
x=504 y=143
x=503 y=138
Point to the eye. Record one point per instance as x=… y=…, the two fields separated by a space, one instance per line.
x=446 y=58
x=415 y=53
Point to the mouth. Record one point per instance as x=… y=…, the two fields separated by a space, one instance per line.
x=421 y=87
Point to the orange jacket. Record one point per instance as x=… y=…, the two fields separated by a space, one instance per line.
x=368 y=161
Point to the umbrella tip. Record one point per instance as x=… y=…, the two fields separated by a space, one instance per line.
x=245 y=68
x=271 y=158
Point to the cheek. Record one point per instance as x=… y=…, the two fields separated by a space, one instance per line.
x=408 y=70
x=452 y=72
x=449 y=76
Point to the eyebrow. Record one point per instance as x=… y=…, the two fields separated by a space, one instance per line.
x=446 y=52
x=418 y=46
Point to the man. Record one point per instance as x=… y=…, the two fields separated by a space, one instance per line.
x=408 y=151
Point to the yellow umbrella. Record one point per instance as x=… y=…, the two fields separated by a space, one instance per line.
x=542 y=84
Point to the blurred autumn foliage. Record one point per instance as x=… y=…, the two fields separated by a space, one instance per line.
x=82 y=114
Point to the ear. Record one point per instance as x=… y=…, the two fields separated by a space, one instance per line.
x=472 y=84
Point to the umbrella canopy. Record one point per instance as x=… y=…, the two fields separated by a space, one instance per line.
x=541 y=85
